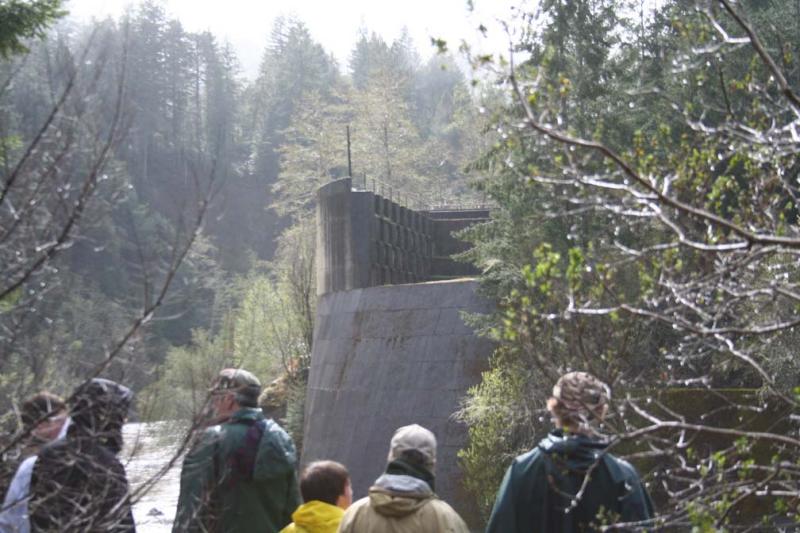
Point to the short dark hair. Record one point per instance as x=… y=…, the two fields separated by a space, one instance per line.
x=40 y=404
x=324 y=481
x=248 y=396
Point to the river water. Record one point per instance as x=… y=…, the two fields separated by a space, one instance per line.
x=149 y=447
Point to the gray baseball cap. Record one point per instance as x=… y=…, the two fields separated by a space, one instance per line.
x=414 y=437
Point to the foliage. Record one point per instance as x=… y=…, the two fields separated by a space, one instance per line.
x=20 y=20
x=645 y=232
x=260 y=334
x=500 y=411
x=183 y=120
x=295 y=269
x=292 y=66
x=87 y=253
x=184 y=379
x=315 y=151
x=56 y=179
x=295 y=411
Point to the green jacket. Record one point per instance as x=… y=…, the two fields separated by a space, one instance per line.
x=240 y=477
x=537 y=493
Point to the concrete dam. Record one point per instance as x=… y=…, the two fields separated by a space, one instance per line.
x=390 y=346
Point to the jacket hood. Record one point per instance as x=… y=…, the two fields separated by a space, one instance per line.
x=247 y=414
x=575 y=452
x=318 y=516
x=399 y=495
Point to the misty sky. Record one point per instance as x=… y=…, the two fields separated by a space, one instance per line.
x=334 y=24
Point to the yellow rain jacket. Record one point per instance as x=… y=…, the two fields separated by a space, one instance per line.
x=315 y=517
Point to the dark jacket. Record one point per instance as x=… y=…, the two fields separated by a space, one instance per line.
x=79 y=485
x=539 y=489
x=239 y=477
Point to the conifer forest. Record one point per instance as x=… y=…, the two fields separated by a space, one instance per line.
x=641 y=162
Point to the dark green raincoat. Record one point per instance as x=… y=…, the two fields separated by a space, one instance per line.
x=539 y=488
x=240 y=477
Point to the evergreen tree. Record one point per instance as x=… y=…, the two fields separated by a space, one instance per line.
x=371 y=53
x=315 y=151
x=386 y=144
x=293 y=64
x=20 y=20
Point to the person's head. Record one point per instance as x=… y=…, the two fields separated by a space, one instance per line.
x=44 y=414
x=326 y=481
x=415 y=445
x=99 y=408
x=579 y=402
x=233 y=389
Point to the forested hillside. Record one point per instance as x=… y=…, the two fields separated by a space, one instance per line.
x=156 y=205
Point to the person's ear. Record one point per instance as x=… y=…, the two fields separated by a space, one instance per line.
x=551 y=404
x=230 y=402
x=346 y=498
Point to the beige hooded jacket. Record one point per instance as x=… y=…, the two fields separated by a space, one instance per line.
x=401 y=504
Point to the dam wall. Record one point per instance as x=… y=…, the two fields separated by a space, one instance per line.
x=390 y=344
x=387 y=356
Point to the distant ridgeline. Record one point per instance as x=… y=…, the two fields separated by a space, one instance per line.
x=390 y=345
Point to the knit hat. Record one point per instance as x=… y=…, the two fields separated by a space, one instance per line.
x=413 y=440
x=98 y=408
x=101 y=394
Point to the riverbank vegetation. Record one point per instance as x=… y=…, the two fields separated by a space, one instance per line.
x=647 y=231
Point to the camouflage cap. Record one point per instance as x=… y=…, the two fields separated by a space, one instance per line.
x=581 y=393
x=242 y=383
x=235 y=379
